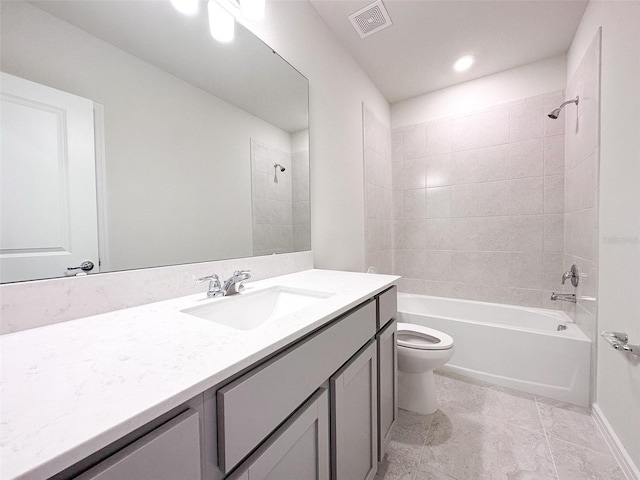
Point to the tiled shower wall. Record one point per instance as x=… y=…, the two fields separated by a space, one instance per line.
x=478 y=204
x=377 y=182
x=301 y=207
x=271 y=200
x=581 y=187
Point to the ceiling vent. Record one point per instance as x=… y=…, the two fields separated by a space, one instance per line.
x=370 y=19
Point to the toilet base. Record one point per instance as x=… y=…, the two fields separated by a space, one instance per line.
x=417 y=392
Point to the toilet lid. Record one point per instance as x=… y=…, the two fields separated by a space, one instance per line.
x=422 y=338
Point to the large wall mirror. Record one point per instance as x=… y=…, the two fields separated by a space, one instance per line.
x=132 y=139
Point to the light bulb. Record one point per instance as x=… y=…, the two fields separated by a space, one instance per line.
x=463 y=63
x=187 y=7
x=221 y=22
x=252 y=9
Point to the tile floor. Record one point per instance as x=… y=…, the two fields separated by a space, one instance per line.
x=487 y=432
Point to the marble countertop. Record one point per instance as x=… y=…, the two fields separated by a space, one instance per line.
x=72 y=388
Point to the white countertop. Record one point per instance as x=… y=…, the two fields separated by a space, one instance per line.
x=72 y=388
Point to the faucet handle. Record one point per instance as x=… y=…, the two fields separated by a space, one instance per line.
x=245 y=273
x=211 y=278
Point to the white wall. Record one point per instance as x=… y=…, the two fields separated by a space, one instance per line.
x=526 y=81
x=173 y=151
x=338 y=86
x=618 y=376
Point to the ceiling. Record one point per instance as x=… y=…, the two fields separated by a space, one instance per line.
x=415 y=55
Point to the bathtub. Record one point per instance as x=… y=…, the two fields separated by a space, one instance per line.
x=515 y=347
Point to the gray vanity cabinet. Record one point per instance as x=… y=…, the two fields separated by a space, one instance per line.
x=298 y=450
x=321 y=408
x=170 y=452
x=354 y=407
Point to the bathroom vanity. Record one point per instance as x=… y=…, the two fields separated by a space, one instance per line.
x=310 y=393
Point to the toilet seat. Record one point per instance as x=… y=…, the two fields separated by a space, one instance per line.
x=422 y=338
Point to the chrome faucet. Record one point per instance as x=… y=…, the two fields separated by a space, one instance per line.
x=214 y=290
x=565 y=297
x=234 y=283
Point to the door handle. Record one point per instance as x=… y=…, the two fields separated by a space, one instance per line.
x=84 y=266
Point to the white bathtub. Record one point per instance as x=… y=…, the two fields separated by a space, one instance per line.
x=516 y=347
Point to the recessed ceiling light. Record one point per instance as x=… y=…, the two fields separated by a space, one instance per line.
x=463 y=63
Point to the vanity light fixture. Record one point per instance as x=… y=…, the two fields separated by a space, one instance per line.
x=221 y=22
x=223 y=14
x=187 y=7
x=463 y=63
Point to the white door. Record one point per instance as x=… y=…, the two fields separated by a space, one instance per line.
x=48 y=220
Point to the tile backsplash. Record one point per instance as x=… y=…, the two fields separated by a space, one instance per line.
x=478 y=204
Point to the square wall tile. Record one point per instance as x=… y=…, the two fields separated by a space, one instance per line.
x=438 y=268
x=554 y=155
x=438 y=202
x=464 y=200
x=465 y=267
x=526 y=159
x=439 y=137
x=464 y=233
x=526 y=196
x=465 y=167
x=525 y=270
x=414 y=263
x=553 y=233
x=415 y=143
x=413 y=173
x=493 y=198
x=526 y=233
x=554 y=194
x=493 y=127
x=438 y=170
x=414 y=205
x=493 y=233
x=527 y=120
x=464 y=133
x=493 y=163
x=494 y=268
x=414 y=233
x=439 y=234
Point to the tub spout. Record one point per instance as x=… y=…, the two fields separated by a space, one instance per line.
x=564 y=297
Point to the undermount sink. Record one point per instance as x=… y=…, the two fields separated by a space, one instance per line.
x=249 y=310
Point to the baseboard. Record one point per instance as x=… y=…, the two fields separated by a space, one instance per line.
x=629 y=469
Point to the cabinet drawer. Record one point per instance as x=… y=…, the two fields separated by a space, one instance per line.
x=387 y=306
x=170 y=452
x=298 y=450
x=251 y=407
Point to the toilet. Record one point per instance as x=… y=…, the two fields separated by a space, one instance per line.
x=420 y=351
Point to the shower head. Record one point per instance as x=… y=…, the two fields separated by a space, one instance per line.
x=557 y=111
x=276 y=165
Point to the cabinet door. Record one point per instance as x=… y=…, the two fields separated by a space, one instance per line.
x=387 y=385
x=170 y=452
x=354 y=417
x=298 y=450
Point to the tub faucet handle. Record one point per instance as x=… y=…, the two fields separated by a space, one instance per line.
x=573 y=274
